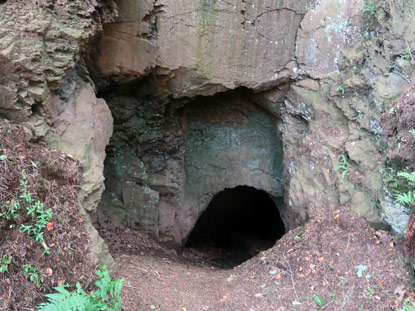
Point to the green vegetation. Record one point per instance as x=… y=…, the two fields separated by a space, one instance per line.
x=35 y=210
x=408 y=197
x=369 y=8
x=340 y=88
x=406 y=56
x=407 y=307
x=4 y=264
x=343 y=167
x=35 y=275
x=106 y=297
x=319 y=301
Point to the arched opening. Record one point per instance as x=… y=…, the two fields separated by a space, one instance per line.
x=239 y=223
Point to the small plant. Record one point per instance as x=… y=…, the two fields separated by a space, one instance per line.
x=9 y=211
x=370 y=291
x=40 y=216
x=319 y=301
x=406 y=56
x=412 y=131
x=35 y=275
x=360 y=270
x=4 y=264
x=106 y=297
x=343 y=167
x=407 y=198
x=369 y=8
x=407 y=307
x=340 y=88
x=333 y=295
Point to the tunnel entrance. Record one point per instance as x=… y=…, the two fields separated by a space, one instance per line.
x=239 y=223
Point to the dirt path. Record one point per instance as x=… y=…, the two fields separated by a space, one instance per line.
x=339 y=259
x=157 y=283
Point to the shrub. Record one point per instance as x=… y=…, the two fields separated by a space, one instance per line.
x=105 y=298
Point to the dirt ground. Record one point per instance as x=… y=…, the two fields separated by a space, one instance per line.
x=30 y=267
x=339 y=258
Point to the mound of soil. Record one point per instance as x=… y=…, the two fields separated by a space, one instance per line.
x=30 y=266
x=338 y=258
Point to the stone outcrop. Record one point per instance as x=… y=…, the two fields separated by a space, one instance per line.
x=40 y=42
x=83 y=129
x=202 y=47
x=305 y=84
x=166 y=162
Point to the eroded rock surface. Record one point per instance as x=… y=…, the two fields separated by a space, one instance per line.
x=203 y=47
x=319 y=76
x=165 y=166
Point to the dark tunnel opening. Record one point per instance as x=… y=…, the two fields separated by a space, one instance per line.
x=239 y=223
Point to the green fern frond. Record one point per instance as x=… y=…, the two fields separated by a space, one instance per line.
x=106 y=297
x=407 y=308
x=409 y=176
x=65 y=302
x=406 y=198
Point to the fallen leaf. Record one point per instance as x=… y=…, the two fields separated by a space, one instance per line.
x=278 y=276
x=49 y=226
x=381 y=282
x=60 y=283
x=336 y=216
x=49 y=271
x=320 y=259
x=44 y=245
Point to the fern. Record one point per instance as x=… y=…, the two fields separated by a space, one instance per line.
x=65 y=301
x=407 y=308
x=409 y=176
x=106 y=297
x=407 y=198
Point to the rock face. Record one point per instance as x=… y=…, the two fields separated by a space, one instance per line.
x=40 y=42
x=202 y=47
x=164 y=167
x=83 y=129
x=303 y=83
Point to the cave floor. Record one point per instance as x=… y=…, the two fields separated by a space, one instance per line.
x=337 y=257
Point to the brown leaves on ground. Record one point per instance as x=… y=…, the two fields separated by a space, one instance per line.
x=322 y=258
x=53 y=178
